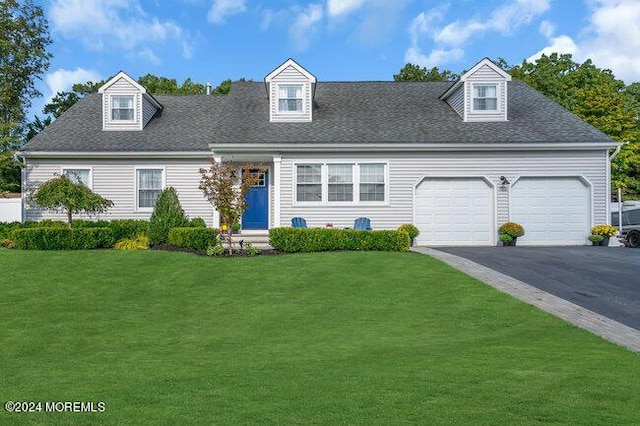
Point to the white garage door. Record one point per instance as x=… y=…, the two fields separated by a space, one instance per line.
x=553 y=210
x=454 y=211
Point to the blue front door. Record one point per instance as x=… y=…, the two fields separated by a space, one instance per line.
x=257 y=214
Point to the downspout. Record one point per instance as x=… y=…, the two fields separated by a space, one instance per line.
x=611 y=157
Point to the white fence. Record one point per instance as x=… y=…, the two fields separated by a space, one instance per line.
x=10 y=209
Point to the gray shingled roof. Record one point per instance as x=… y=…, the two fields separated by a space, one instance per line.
x=349 y=112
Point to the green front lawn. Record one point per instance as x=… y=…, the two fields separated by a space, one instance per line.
x=330 y=338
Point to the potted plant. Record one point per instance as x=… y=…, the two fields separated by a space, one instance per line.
x=410 y=229
x=596 y=240
x=606 y=231
x=509 y=233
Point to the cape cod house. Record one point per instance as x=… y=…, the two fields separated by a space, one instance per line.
x=455 y=158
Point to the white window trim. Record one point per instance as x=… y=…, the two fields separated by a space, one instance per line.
x=90 y=186
x=486 y=111
x=135 y=177
x=110 y=120
x=303 y=93
x=325 y=184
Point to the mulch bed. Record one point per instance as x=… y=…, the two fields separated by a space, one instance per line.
x=236 y=253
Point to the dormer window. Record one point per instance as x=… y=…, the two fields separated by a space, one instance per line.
x=290 y=99
x=485 y=97
x=122 y=108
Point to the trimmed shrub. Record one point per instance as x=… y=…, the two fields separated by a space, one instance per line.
x=294 y=240
x=128 y=228
x=198 y=222
x=193 y=238
x=141 y=242
x=596 y=239
x=50 y=238
x=167 y=214
x=410 y=229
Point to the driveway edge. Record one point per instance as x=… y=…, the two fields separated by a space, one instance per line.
x=595 y=323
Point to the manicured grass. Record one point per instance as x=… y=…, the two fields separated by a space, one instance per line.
x=330 y=338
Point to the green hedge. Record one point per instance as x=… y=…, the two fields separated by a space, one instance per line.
x=294 y=240
x=193 y=238
x=51 y=238
x=122 y=228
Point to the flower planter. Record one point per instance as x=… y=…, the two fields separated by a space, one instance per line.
x=604 y=242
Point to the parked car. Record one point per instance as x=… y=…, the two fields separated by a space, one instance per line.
x=630 y=223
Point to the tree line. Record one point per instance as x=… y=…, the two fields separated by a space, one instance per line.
x=592 y=93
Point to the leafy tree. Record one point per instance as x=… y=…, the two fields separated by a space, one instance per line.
x=24 y=38
x=165 y=86
x=61 y=194
x=596 y=96
x=61 y=102
x=167 y=214
x=228 y=196
x=411 y=72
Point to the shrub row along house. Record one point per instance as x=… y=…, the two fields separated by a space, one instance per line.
x=457 y=159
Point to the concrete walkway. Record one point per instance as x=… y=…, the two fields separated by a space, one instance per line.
x=602 y=326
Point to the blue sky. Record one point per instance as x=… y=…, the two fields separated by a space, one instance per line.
x=336 y=40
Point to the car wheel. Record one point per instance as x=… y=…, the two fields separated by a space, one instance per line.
x=633 y=239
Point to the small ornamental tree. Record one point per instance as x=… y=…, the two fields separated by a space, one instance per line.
x=226 y=193
x=167 y=214
x=61 y=194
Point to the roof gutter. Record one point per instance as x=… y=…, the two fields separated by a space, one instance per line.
x=386 y=147
x=617 y=151
x=116 y=155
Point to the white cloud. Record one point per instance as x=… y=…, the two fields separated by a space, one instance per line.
x=304 y=26
x=611 y=40
x=447 y=40
x=62 y=80
x=220 y=9
x=112 y=24
x=547 y=29
x=343 y=7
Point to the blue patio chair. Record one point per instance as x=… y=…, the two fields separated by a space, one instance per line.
x=298 y=222
x=362 y=224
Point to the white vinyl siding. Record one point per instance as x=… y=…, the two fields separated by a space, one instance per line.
x=148 y=111
x=456 y=101
x=82 y=176
x=149 y=184
x=116 y=181
x=404 y=171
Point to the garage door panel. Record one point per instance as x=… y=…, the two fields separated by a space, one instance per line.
x=553 y=210
x=454 y=211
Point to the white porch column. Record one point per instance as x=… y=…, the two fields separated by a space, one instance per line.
x=216 y=214
x=277 y=160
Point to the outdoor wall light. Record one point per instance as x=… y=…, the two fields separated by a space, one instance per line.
x=504 y=180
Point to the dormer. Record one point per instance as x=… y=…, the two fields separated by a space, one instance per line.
x=290 y=91
x=126 y=105
x=480 y=94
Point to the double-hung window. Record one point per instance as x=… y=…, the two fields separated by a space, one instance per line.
x=485 y=97
x=149 y=186
x=290 y=99
x=372 y=185
x=309 y=182
x=340 y=184
x=78 y=176
x=122 y=108
x=350 y=183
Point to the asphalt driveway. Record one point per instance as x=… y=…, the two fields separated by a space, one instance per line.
x=605 y=280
